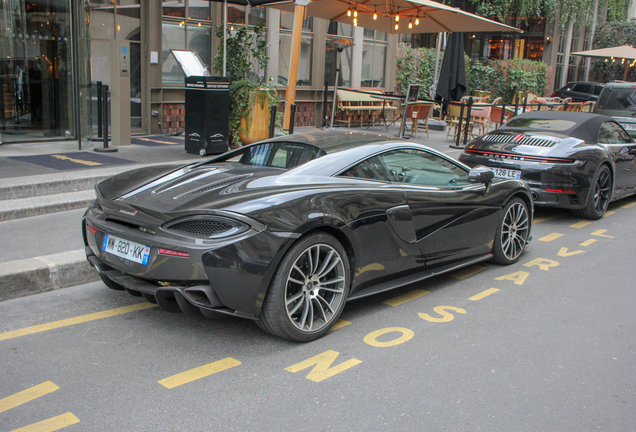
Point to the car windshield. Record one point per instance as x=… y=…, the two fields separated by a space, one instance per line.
x=541 y=124
x=618 y=99
x=285 y=155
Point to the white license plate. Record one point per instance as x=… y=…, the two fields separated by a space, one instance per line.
x=629 y=125
x=506 y=173
x=126 y=249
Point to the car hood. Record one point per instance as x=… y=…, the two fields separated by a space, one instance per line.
x=525 y=143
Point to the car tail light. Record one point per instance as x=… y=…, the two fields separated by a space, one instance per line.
x=91 y=229
x=553 y=94
x=171 y=252
x=564 y=191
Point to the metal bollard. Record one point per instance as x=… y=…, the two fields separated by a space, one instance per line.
x=272 y=120
x=470 y=107
x=459 y=126
x=105 y=149
x=292 y=118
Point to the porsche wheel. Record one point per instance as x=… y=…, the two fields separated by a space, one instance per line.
x=308 y=291
x=512 y=232
x=599 y=197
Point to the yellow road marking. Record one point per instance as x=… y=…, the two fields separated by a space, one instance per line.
x=550 y=237
x=372 y=338
x=73 y=321
x=52 y=424
x=200 y=372
x=631 y=204
x=563 y=252
x=157 y=141
x=588 y=242
x=396 y=301
x=544 y=219
x=468 y=271
x=609 y=213
x=601 y=233
x=27 y=395
x=322 y=363
x=483 y=294
x=339 y=324
x=580 y=224
x=79 y=161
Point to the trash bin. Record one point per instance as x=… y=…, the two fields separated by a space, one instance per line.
x=207 y=105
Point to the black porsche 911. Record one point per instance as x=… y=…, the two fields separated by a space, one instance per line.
x=287 y=230
x=572 y=160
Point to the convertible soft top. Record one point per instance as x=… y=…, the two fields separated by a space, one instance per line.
x=586 y=124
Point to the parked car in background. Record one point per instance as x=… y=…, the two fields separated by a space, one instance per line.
x=618 y=100
x=572 y=160
x=580 y=91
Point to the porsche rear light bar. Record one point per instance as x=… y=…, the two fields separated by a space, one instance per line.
x=171 y=252
x=509 y=156
x=91 y=229
x=564 y=191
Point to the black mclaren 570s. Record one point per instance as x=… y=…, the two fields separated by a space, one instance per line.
x=287 y=230
x=577 y=161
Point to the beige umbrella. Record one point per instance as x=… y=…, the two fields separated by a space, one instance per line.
x=622 y=53
x=389 y=16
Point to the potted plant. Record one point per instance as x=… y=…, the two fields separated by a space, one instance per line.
x=250 y=95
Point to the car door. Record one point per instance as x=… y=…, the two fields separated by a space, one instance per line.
x=623 y=151
x=453 y=218
x=581 y=92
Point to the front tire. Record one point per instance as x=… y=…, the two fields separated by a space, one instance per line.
x=599 y=197
x=512 y=232
x=308 y=291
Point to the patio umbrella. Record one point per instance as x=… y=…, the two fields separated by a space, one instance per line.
x=624 y=52
x=452 y=76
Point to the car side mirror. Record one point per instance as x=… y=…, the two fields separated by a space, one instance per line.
x=480 y=174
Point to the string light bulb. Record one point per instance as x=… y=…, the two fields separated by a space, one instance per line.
x=355 y=13
x=375 y=14
x=355 y=22
x=417 y=19
x=397 y=17
x=397 y=26
x=410 y=24
x=349 y=11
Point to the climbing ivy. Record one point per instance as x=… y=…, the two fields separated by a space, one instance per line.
x=611 y=35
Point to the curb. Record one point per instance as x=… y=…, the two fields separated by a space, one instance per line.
x=40 y=274
x=35 y=206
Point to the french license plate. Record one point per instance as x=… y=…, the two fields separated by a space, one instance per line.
x=631 y=126
x=506 y=173
x=126 y=249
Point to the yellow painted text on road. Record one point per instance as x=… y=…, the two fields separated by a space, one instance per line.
x=550 y=237
x=79 y=161
x=200 y=372
x=588 y=242
x=629 y=205
x=73 y=321
x=483 y=294
x=517 y=277
x=322 y=369
x=468 y=271
x=339 y=324
x=157 y=141
x=372 y=338
x=563 y=252
x=601 y=233
x=545 y=219
x=396 y=301
x=445 y=316
x=542 y=263
x=609 y=213
x=27 y=395
x=52 y=424
x=581 y=224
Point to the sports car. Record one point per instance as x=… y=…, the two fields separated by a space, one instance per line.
x=571 y=160
x=286 y=231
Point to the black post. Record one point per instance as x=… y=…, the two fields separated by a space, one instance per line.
x=461 y=118
x=470 y=106
x=272 y=120
x=503 y=114
x=105 y=149
x=99 y=109
x=565 y=106
x=525 y=101
x=292 y=118
x=324 y=105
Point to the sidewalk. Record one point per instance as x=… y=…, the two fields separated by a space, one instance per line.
x=45 y=188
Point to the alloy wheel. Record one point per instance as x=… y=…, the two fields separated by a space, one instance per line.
x=315 y=287
x=514 y=232
x=602 y=191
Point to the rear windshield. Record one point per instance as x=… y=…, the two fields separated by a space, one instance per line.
x=276 y=154
x=541 y=124
x=618 y=99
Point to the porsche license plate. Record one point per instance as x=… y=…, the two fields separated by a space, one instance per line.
x=506 y=173
x=126 y=249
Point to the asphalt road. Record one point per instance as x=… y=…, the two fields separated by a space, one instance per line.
x=546 y=344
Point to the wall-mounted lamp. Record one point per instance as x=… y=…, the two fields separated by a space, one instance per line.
x=548 y=39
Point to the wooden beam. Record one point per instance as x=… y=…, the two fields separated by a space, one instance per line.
x=290 y=93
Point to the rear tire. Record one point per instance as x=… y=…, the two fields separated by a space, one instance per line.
x=512 y=232
x=308 y=291
x=599 y=196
